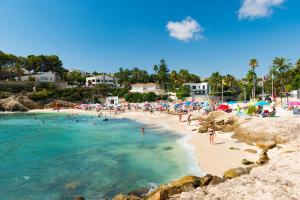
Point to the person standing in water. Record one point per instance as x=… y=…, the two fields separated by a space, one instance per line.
x=142 y=130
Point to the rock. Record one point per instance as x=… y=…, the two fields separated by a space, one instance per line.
x=61 y=103
x=227 y=128
x=233 y=148
x=251 y=150
x=71 y=185
x=140 y=192
x=202 y=129
x=265 y=145
x=246 y=162
x=125 y=197
x=185 y=184
x=12 y=104
x=28 y=103
x=235 y=172
x=79 y=198
x=263 y=158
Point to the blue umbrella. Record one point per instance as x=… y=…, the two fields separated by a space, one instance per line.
x=261 y=103
x=231 y=102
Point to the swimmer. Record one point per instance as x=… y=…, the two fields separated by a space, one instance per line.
x=142 y=130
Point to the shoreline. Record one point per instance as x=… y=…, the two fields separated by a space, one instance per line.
x=211 y=159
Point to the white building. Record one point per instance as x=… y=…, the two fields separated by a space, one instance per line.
x=199 y=88
x=101 y=79
x=41 y=77
x=146 y=88
x=112 y=101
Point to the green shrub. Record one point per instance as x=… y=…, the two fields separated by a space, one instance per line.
x=41 y=95
x=16 y=87
x=251 y=110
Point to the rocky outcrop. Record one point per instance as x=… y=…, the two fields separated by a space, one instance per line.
x=17 y=103
x=185 y=184
x=59 y=103
x=12 y=104
x=220 y=120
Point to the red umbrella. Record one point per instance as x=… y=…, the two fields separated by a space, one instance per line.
x=223 y=107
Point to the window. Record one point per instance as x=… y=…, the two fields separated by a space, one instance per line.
x=193 y=87
x=203 y=87
x=97 y=80
x=43 y=78
x=93 y=80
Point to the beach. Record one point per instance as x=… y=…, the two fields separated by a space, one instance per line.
x=213 y=159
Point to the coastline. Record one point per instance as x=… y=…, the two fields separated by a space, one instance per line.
x=212 y=159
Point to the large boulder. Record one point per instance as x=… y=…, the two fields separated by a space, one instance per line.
x=221 y=118
x=236 y=172
x=28 y=103
x=12 y=104
x=60 y=103
x=265 y=145
x=185 y=184
x=125 y=197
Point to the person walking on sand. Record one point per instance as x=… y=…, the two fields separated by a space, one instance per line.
x=211 y=135
x=189 y=121
x=180 y=117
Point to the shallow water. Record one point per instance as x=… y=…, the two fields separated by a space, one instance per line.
x=46 y=156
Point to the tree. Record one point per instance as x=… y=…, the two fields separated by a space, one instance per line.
x=297 y=66
x=155 y=68
x=163 y=73
x=280 y=69
x=215 y=81
x=253 y=64
x=75 y=78
x=183 y=91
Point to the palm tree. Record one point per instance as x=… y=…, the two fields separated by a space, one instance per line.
x=280 y=69
x=298 y=65
x=155 y=68
x=253 y=64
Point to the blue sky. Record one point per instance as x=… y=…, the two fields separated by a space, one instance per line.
x=202 y=36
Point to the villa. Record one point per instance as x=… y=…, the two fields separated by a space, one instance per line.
x=49 y=77
x=146 y=88
x=201 y=89
x=101 y=79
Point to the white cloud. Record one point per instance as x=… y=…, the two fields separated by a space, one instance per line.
x=185 y=30
x=252 y=9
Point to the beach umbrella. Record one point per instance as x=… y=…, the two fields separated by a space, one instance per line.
x=294 y=103
x=261 y=103
x=223 y=107
x=231 y=102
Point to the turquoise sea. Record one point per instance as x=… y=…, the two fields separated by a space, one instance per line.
x=50 y=156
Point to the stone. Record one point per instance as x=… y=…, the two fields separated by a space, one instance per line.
x=246 y=162
x=265 y=145
x=79 y=198
x=12 y=104
x=227 y=128
x=202 y=129
x=233 y=148
x=185 y=184
x=251 y=150
x=125 y=197
x=71 y=185
x=140 y=192
x=263 y=158
x=235 y=172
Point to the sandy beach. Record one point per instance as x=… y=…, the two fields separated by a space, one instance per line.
x=212 y=159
